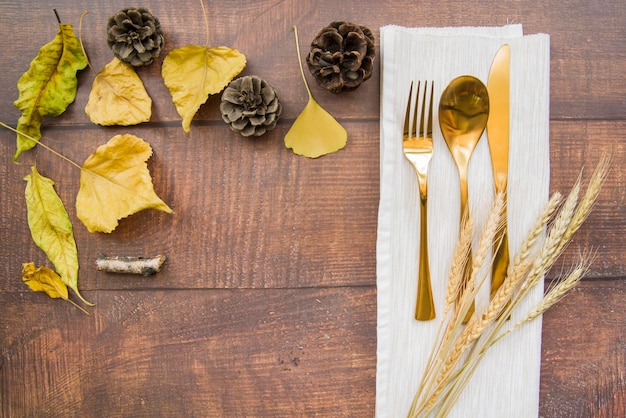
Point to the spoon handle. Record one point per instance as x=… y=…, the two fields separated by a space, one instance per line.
x=468 y=266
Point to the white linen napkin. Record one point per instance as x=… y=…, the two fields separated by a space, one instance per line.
x=507 y=382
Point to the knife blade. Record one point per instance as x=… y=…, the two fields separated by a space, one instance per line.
x=498 y=86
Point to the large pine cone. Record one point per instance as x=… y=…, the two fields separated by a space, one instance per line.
x=135 y=36
x=342 y=56
x=250 y=106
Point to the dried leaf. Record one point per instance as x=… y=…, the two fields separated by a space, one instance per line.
x=315 y=132
x=49 y=85
x=43 y=279
x=118 y=97
x=115 y=183
x=193 y=72
x=51 y=228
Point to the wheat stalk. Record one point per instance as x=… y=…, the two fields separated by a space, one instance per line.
x=551 y=298
x=464 y=295
x=446 y=376
x=455 y=280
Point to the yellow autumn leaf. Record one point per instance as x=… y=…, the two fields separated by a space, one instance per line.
x=118 y=97
x=51 y=228
x=115 y=183
x=43 y=279
x=315 y=132
x=193 y=72
x=49 y=85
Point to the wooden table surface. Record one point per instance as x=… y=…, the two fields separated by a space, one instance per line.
x=266 y=305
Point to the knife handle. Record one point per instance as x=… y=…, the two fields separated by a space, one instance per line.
x=500 y=265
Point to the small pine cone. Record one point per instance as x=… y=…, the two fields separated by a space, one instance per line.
x=135 y=36
x=250 y=106
x=342 y=56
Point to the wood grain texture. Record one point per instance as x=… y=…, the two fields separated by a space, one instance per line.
x=191 y=353
x=267 y=305
x=590 y=320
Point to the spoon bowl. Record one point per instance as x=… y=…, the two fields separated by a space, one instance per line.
x=463 y=113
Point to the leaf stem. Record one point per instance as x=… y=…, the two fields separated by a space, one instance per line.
x=80 y=39
x=206 y=23
x=57 y=15
x=86 y=312
x=58 y=154
x=295 y=31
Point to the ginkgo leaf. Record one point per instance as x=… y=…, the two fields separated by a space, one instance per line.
x=193 y=72
x=49 y=85
x=118 y=97
x=115 y=183
x=43 y=279
x=51 y=228
x=315 y=132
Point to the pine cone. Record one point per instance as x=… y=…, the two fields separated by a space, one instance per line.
x=250 y=106
x=135 y=36
x=342 y=56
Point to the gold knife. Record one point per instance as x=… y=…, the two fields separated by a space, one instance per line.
x=498 y=86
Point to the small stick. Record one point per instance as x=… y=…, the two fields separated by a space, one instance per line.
x=147 y=266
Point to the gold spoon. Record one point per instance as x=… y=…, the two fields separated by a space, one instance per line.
x=463 y=113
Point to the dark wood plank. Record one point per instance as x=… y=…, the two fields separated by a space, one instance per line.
x=577 y=146
x=247 y=213
x=583 y=369
x=255 y=215
x=191 y=353
x=304 y=351
x=585 y=57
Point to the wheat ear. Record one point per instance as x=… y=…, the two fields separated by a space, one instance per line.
x=590 y=196
x=459 y=259
x=558 y=291
x=534 y=232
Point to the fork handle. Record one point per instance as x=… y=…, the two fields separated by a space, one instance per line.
x=425 y=307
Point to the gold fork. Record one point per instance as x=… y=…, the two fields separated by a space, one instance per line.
x=417 y=145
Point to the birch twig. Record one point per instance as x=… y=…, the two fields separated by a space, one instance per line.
x=146 y=266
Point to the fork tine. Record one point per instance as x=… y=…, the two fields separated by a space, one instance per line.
x=416 y=110
x=423 y=115
x=407 y=115
x=429 y=128
x=410 y=118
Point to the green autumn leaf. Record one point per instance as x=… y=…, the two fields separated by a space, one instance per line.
x=49 y=85
x=115 y=183
x=193 y=72
x=118 y=97
x=51 y=228
x=315 y=132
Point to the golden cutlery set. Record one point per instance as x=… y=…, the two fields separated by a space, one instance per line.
x=466 y=108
